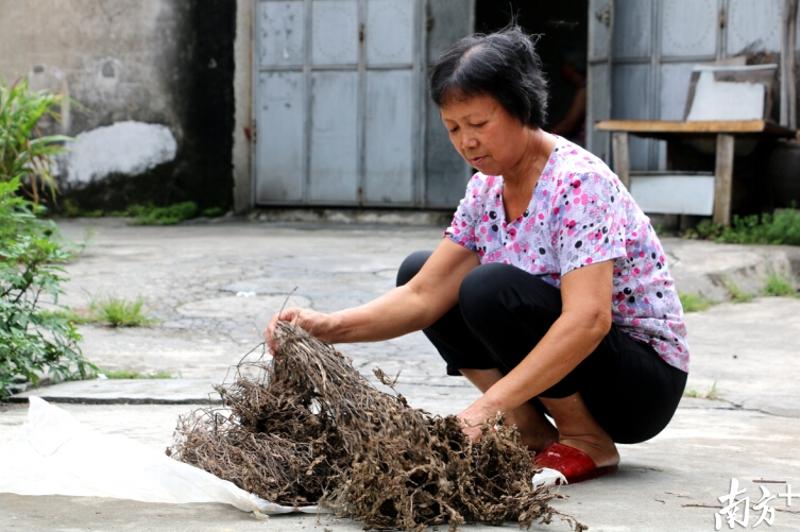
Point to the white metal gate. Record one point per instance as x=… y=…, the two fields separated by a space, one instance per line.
x=340 y=102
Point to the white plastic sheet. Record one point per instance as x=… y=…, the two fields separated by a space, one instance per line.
x=53 y=454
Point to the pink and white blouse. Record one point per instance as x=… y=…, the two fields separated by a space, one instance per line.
x=580 y=214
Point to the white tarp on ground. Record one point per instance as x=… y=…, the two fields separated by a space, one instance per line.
x=53 y=454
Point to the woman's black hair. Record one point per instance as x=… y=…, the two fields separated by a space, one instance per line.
x=503 y=65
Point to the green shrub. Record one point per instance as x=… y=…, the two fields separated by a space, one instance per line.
x=779 y=227
x=778 y=286
x=24 y=156
x=33 y=342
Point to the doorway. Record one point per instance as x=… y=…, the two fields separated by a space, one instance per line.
x=562 y=29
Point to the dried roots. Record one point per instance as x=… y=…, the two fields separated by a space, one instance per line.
x=307 y=428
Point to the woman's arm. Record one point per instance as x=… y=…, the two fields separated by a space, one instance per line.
x=413 y=306
x=585 y=320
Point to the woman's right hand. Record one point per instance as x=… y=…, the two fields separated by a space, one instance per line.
x=315 y=323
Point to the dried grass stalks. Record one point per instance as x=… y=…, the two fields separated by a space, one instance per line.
x=307 y=428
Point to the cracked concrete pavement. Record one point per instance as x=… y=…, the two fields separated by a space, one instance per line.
x=213 y=287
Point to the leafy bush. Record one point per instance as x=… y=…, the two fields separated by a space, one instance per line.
x=24 y=155
x=779 y=227
x=33 y=342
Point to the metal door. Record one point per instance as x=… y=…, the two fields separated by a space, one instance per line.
x=446 y=172
x=337 y=102
x=598 y=105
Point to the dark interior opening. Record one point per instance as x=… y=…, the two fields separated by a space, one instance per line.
x=562 y=29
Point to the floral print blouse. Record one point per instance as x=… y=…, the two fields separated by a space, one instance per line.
x=580 y=214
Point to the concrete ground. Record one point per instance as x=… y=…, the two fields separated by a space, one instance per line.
x=213 y=287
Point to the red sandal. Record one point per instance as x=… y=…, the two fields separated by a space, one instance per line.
x=562 y=464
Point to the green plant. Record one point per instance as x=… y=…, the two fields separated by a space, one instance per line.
x=213 y=212
x=737 y=294
x=169 y=215
x=694 y=302
x=705 y=230
x=71 y=210
x=33 y=342
x=118 y=312
x=112 y=311
x=133 y=374
x=70 y=315
x=712 y=394
x=24 y=156
x=779 y=227
x=779 y=286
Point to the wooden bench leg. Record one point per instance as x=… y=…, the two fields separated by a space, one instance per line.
x=622 y=161
x=723 y=180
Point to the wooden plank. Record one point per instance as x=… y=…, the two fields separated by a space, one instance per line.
x=695 y=127
x=622 y=161
x=723 y=180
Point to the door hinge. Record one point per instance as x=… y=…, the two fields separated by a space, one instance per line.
x=603 y=15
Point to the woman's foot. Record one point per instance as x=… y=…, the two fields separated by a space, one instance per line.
x=577 y=428
x=601 y=450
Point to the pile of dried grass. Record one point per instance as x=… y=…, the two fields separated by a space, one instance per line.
x=307 y=428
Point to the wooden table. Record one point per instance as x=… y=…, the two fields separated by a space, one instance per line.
x=725 y=131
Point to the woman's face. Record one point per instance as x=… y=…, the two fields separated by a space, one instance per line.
x=482 y=131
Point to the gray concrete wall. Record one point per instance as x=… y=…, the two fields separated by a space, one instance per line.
x=115 y=59
x=167 y=62
x=243 y=98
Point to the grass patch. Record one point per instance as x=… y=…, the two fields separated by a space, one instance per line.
x=712 y=394
x=779 y=227
x=213 y=212
x=737 y=294
x=694 y=302
x=112 y=311
x=779 y=286
x=70 y=209
x=169 y=215
x=147 y=214
x=118 y=312
x=73 y=316
x=132 y=374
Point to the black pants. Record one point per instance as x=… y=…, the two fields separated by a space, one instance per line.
x=503 y=312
